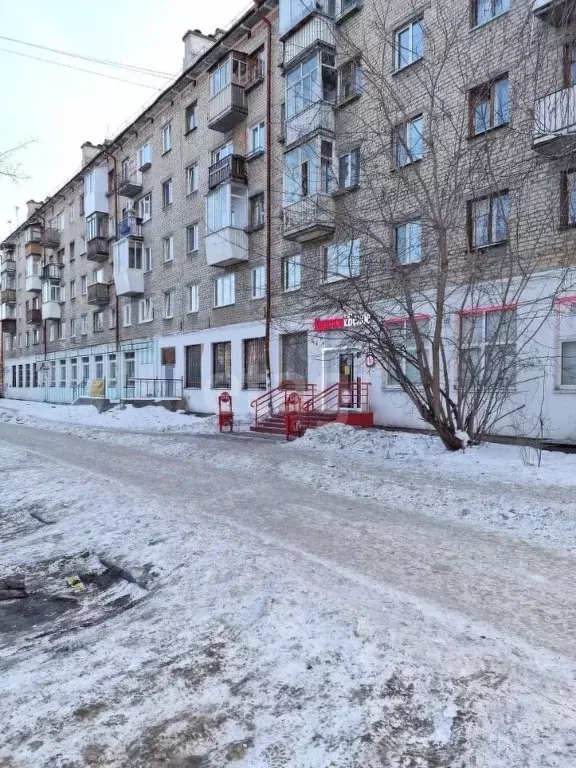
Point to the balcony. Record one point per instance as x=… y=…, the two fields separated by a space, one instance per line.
x=555 y=12
x=309 y=219
x=129 y=282
x=52 y=272
x=555 y=123
x=51 y=310
x=225 y=247
x=8 y=265
x=33 y=283
x=97 y=249
x=255 y=75
x=33 y=316
x=33 y=249
x=318 y=29
x=8 y=296
x=130 y=185
x=50 y=237
x=229 y=169
x=98 y=294
x=130 y=227
x=227 y=108
x=8 y=318
x=315 y=118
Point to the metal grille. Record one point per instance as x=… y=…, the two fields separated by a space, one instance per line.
x=221 y=365
x=254 y=364
x=193 y=366
x=295 y=357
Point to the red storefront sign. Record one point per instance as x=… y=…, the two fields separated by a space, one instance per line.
x=328 y=324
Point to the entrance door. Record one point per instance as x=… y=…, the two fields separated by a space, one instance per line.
x=346 y=380
x=295 y=359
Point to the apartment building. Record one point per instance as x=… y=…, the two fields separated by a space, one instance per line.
x=173 y=264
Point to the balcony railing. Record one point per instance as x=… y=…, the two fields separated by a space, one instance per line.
x=255 y=75
x=8 y=296
x=97 y=249
x=33 y=316
x=556 y=12
x=98 y=294
x=231 y=168
x=555 y=121
x=227 y=108
x=225 y=247
x=8 y=265
x=130 y=227
x=319 y=116
x=130 y=185
x=310 y=218
x=50 y=237
x=318 y=29
x=52 y=272
x=153 y=389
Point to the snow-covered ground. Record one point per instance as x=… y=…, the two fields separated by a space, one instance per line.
x=220 y=623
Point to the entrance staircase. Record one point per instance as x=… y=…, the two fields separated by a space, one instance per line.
x=342 y=403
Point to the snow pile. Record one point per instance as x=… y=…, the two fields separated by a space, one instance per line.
x=387 y=445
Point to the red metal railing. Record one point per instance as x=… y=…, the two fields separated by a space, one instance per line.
x=274 y=401
x=354 y=395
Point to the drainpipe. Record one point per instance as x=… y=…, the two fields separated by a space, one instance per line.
x=268 y=322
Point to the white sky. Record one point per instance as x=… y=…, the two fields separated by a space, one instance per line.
x=61 y=108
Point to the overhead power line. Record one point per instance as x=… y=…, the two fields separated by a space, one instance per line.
x=106 y=62
x=80 y=69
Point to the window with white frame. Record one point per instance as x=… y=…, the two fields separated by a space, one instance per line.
x=60 y=330
x=225 y=290
x=145 y=310
x=304 y=175
x=258 y=282
x=193 y=297
x=309 y=82
x=112 y=371
x=488 y=220
x=51 y=292
x=350 y=80
x=83 y=285
x=144 y=156
x=488 y=347
x=191 y=238
x=408 y=242
x=256 y=215
x=112 y=319
x=98 y=321
x=169 y=303
x=291 y=273
x=485 y=10
x=83 y=325
x=190 y=117
x=192 y=178
x=168 y=248
x=409 y=43
x=145 y=207
x=349 y=169
x=220 y=77
x=36 y=336
x=72 y=289
x=166 y=138
x=72 y=327
x=257 y=138
x=409 y=141
x=167 y=193
x=97 y=276
x=127 y=314
x=71 y=213
x=60 y=222
x=147 y=258
x=227 y=206
x=403 y=341
x=223 y=151
x=568 y=363
x=342 y=260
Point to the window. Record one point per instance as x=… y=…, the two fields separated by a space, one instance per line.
x=60 y=222
x=169 y=303
x=342 y=260
x=193 y=297
x=220 y=153
x=193 y=378
x=97 y=276
x=72 y=327
x=27 y=339
x=489 y=106
x=27 y=375
x=569 y=65
x=81 y=205
x=568 y=364
x=145 y=207
x=112 y=371
x=409 y=44
x=129 y=370
x=60 y=330
x=83 y=285
x=34 y=375
x=83 y=325
x=350 y=81
x=221 y=365
x=36 y=336
x=112 y=317
x=484 y=10
x=14 y=369
x=254 y=364
x=409 y=142
x=258 y=282
x=85 y=369
x=220 y=77
x=72 y=250
x=167 y=138
x=52 y=331
x=147 y=258
x=167 y=193
x=488 y=347
x=226 y=207
x=311 y=81
x=98 y=367
x=191 y=238
x=135 y=254
x=257 y=138
x=349 y=169
x=190 y=118
x=224 y=290
x=127 y=314
x=71 y=213
x=20 y=376
x=488 y=220
x=408 y=242
x=192 y=179
x=291 y=273
x=256 y=211
x=168 y=248
x=403 y=340
x=52 y=373
x=62 y=373
x=145 y=311
x=144 y=156
x=301 y=174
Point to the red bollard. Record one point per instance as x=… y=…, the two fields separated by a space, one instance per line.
x=225 y=415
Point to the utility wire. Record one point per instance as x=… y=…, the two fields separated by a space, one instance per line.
x=106 y=62
x=79 y=69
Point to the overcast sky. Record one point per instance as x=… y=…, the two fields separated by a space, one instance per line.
x=61 y=108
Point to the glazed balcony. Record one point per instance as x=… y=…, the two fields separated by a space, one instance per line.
x=98 y=294
x=8 y=318
x=316 y=118
x=51 y=273
x=8 y=296
x=33 y=283
x=8 y=265
x=229 y=169
x=33 y=316
x=97 y=249
x=309 y=219
x=129 y=282
x=130 y=185
x=33 y=249
x=51 y=310
x=50 y=237
x=227 y=108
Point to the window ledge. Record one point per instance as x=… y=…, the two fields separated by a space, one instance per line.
x=192 y=312
x=193 y=253
x=564 y=390
x=166 y=151
x=489 y=21
x=348 y=100
x=168 y=318
x=488 y=246
x=223 y=306
x=407 y=66
x=194 y=192
x=488 y=131
x=409 y=164
x=348 y=13
x=291 y=290
x=254 y=154
x=168 y=261
x=250 y=230
x=343 y=191
x=257 y=298
x=189 y=131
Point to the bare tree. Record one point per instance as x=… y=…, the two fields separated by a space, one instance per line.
x=10 y=168
x=450 y=246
